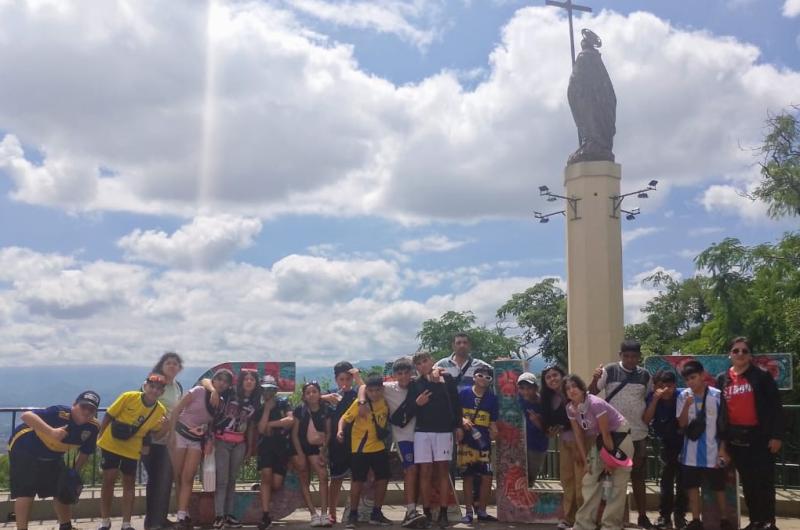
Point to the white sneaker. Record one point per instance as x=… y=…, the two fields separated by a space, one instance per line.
x=316 y=520
x=563 y=525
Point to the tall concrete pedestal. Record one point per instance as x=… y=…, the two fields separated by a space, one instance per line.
x=595 y=314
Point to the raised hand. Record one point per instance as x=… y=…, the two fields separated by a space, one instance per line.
x=423 y=398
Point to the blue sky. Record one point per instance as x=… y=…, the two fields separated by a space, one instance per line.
x=311 y=179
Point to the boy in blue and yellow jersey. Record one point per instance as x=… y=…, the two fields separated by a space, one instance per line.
x=474 y=457
x=128 y=420
x=368 y=447
x=36 y=453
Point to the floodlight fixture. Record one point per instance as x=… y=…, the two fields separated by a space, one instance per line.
x=616 y=200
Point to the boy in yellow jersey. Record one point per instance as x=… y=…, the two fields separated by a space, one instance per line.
x=128 y=420
x=36 y=454
x=368 y=450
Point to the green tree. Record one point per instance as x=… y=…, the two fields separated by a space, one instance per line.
x=780 y=168
x=436 y=336
x=540 y=315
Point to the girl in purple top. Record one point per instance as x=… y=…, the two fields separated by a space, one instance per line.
x=571 y=469
x=592 y=416
x=189 y=424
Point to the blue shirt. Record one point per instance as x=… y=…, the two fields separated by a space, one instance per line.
x=665 y=421
x=535 y=437
x=24 y=438
x=481 y=411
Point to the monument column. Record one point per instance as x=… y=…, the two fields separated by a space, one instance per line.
x=595 y=314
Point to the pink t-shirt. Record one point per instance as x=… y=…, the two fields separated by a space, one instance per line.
x=586 y=415
x=196 y=414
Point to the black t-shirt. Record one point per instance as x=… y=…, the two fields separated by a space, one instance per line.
x=336 y=413
x=276 y=413
x=443 y=412
x=303 y=414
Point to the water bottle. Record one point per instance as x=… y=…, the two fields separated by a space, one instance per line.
x=607 y=487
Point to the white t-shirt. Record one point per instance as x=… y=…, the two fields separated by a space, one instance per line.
x=631 y=400
x=395 y=396
x=450 y=366
x=703 y=452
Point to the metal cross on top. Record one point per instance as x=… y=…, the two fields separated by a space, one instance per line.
x=570 y=7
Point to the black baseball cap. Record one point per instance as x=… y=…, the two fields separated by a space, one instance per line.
x=89 y=397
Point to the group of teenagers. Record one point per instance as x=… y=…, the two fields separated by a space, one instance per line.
x=440 y=415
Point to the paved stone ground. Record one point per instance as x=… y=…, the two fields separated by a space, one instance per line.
x=300 y=520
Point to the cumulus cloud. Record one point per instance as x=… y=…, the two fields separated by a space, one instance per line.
x=629 y=236
x=208 y=241
x=639 y=292
x=730 y=200
x=244 y=109
x=431 y=243
x=401 y=18
x=791 y=8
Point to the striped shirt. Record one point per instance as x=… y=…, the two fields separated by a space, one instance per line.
x=703 y=452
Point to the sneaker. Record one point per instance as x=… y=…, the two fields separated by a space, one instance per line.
x=662 y=523
x=696 y=524
x=644 y=522
x=486 y=518
x=413 y=519
x=467 y=519
x=352 y=520
x=232 y=522
x=186 y=524
x=443 y=522
x=265 y=523
x=563 y=525
x=680 y=522
x=219 y=523
x=104 y=528
x=377 y=518
x=316 y=520
x=769 y=526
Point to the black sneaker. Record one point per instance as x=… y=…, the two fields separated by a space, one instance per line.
x=769 y=526
x=680 y=522
x=724 y=524
x=662 y=523
x=696 y=524
x=266 y=522
x=219 y=523
x=413 y=519
x=443 y=522
x=186 y=524
x=485 y=518
x=232 y=522
x=428 y=517
x=352 y=520
x=377 y=518
x=644 y=522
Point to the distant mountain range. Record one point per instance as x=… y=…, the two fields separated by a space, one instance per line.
x=41 y=386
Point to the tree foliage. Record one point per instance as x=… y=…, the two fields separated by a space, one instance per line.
x=540 y=315
x=436 y=336
x=780 y=168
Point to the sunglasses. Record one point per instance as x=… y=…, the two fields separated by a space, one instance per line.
x=483 y=376
x=584 y=423
x=743 y=351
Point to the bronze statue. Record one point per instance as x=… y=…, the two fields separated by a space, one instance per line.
x=593 y=103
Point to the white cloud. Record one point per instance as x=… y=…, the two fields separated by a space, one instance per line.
x=729 y=200
x=639 y=292
x=431 y=243
x=791 y=8
x=705 y=231
x=208 y=241
x=242 y=109
x=397 y=17
x=629 y=236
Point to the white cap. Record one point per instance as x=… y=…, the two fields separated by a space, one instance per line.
x=527 y=377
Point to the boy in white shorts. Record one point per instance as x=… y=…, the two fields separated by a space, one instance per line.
x=433 y=400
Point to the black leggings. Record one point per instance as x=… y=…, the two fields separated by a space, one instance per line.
x=159 y=486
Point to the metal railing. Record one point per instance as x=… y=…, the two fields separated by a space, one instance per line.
x=787 y=469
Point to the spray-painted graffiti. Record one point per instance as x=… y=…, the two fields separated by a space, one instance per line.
x=779 y=365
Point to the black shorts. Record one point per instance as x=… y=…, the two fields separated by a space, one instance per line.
x=477 y=469
x=31 y=476
x=361 y=463
x=693 y=477
x=109 y=460
x=274 y=453
x=340 y=458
